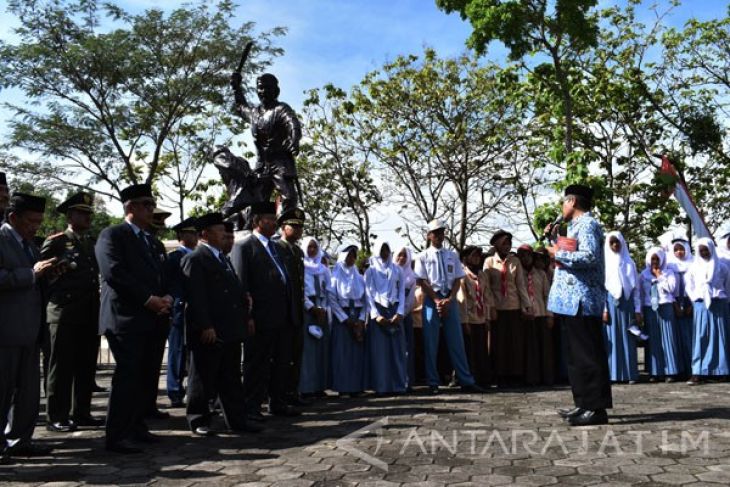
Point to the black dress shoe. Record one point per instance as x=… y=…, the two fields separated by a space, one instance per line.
x=570 y=412
x=298 y=401
x=157 y=414
x=286 y=411
x=88 y=421
x=98 y=388
x=177 y=403
x=589 y=418
x=123 y=447
x=202 y=431
x=249 y=427
x=256 y=416
x=28 y=450
x=61 y=427
x=146 y=437
x=433 y=390
x=473 y=389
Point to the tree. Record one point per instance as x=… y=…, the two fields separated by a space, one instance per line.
x=107 y=106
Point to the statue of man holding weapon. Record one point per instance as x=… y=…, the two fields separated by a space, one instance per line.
x=276 y=132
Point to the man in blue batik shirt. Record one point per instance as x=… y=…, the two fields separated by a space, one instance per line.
x=577 y=298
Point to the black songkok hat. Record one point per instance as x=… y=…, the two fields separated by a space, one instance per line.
x=580 y=190
x=499 y=234
x=208 y=220
x=79 y=201
x=187 y=225
x=294 y=216
x=136 y=191
x=3 y=179
x=263 y=208
x=26 y=202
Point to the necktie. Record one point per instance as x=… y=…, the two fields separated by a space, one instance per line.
x=224 y=261
x=654 y=296
x=28 y=252
x=277 y=260
x=442 y=272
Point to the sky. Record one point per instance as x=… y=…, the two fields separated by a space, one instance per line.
x=339 y=41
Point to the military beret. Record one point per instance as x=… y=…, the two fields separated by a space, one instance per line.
x=136 y=191
x=26 y=202
x=263 y=208
x=187 y=225
x=498 y=235
x=208 y=220
x=294 y=216
x=579 y=190
x=79 y=201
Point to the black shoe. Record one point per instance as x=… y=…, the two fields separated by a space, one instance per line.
x=433 y=390
x=123 y=447
x=98 y=388
x=569 y=413
x=256 y=416
x=202 y=431
x=298 y=401
x=589 y=418
x=286 y=411
x=146 y=437
x=61 y=427
x=177 y=403
x=28 y=450
x=473 y=389
x=89 y=421
x=157 y=414
x=249 y=427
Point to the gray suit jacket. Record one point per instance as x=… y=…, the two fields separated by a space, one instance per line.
x=21 y=300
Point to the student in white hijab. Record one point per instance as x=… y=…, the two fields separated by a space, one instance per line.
x=348 y=302
x=680 y=259
x=708 y=281
x=658 y=284
x=404 y=259
x=386 y=349
x=623 y=309
x=314 y=374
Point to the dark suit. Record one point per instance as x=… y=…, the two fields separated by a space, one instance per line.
x=21 y=330
x=294 y=261
x=73 y=319
x=130 y=274
x=176 y=338
x=267 y=353
x=215 y=300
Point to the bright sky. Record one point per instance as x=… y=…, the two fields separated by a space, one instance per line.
x=338 y=41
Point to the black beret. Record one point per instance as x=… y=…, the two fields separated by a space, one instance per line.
x=187 y=225
x=26 y=202
x=294 y=216
x=499 y=234
x=263 y=208
x=208 y=220
x=3 y=179
x=136 y=191
x=79 y=201
x=579 y=190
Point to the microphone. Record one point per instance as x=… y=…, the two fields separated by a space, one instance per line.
x=551 y=228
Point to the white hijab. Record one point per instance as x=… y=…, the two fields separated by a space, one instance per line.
x=723 y=252
x=409 y=277
x=681 y=266
x=659 y=252
x=704 y=271
x=348 y=281
x=382 y=277
x=620 y=268
x=313 y=266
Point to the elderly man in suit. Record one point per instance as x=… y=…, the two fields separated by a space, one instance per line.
x=268 y=347
x=134 y=304
x=21 y=307
x=215 y=319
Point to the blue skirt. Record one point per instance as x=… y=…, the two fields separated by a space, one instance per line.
x=620 y=343
x=387 y=359
x=664 y=355
x=314 y=372
x=685 y=328
x=709 y=347
x=410 y=349
x=348 y=359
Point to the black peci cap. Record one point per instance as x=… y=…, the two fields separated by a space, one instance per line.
x=187 y=225
x=136 y=191
x=263 y=208
x=208 y=220
x=26 y=202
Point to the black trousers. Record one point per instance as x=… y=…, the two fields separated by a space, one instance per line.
x=130 y=385
x=71 y=370
x=266 y=367
x=296 y=360
x=19 y=393
x=586 y=360
x=154 y=366
x=285 y=185
x=215 y=372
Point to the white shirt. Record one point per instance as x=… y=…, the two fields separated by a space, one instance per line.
x=440 y=267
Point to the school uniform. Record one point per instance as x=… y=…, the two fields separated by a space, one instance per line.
x=540 y=366
x=409 y=282
x=475 y=307
x=683 y=306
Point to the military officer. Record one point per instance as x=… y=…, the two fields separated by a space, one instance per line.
x=73 y=318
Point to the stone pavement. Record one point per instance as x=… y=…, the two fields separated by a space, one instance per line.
x=660 y=434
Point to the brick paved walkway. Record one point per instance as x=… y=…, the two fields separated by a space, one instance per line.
x=660 y=434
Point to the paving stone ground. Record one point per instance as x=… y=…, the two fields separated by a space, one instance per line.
x=660 y=434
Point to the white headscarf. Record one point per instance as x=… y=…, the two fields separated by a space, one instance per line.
x=409 y=277
x=313 y=266
x=705 y=271
x=348 y=281
x=659 y=252
x=681 y=266
x=620 y=268
x=382 y=277
x=723 y=252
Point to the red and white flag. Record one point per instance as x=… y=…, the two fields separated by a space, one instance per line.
x=668 y=173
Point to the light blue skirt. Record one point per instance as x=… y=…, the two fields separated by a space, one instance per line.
x=387 y=357
x=314 y=372
x=620 y=343
x=664 y=356
x=710 y=346
x=348 y=358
